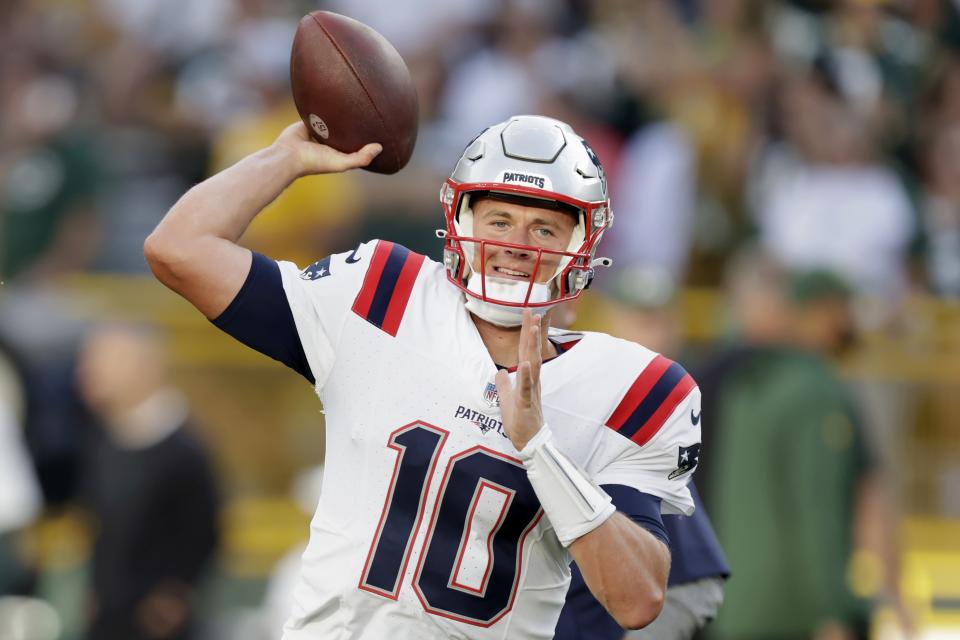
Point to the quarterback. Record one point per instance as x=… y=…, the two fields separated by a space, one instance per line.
x=472 y=451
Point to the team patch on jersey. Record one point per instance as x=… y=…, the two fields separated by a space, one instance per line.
x=687 y=459
x=650 y=401
x=484 y=422
x=386 y=288
x=319 y=269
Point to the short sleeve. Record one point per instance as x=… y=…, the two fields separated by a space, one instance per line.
x=643 y=508
x=260 y=317
x=661 y=466
x=320 y=297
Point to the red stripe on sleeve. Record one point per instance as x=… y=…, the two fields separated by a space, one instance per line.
x=664 y=411
x=638 y=391
x=361 y=305
x=401 y=293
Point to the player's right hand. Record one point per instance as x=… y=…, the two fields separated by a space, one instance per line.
x=312 y=158
x=520 y=406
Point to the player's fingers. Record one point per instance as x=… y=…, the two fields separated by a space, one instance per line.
x=535 y=356
x=502 y=380
x=360 y=158
x=538 y=341
x=522 y=349
x=525 y=383
x=323 y=159
x=531 y=346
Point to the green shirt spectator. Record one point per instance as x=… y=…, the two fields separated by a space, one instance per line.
x=787 y=466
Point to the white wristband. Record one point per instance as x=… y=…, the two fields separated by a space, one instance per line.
x=573 y=504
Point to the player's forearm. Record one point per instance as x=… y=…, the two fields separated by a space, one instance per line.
x=625 y=566
x=626 y=569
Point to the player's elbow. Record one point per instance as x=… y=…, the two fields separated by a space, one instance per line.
x=163 y=253
x=638 y=612
x=157 y=253
x=153 y=250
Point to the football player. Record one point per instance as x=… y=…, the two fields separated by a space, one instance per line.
x=471 y=450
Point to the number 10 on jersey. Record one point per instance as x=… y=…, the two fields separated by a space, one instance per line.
x=468 y=570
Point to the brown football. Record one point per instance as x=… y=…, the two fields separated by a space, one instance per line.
x=351 y=87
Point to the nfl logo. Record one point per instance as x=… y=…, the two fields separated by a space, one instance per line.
x=490 y=395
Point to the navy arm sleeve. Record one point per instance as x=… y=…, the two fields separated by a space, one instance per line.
x=260 y=317
x=642 y=508
x=582 y=617
x=694 y=546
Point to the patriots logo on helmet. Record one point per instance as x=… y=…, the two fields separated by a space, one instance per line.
x=319 y=269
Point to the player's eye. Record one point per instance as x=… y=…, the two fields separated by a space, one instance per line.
x=545 y=233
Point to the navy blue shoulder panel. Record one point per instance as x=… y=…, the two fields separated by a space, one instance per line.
x=260 y=317
x=642 y=508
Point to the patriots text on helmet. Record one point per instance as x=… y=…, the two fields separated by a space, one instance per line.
x=524 y=178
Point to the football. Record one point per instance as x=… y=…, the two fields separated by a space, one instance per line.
x=351 y=87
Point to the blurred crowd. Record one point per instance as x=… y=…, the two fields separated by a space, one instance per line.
x=825 y=130
x=805 y=154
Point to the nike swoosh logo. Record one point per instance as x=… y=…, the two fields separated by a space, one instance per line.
x=353 y=256
x=695 y=419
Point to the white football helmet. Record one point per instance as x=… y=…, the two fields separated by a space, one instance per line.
x=541 y=162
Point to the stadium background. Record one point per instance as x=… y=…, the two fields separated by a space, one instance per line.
x=707 y=116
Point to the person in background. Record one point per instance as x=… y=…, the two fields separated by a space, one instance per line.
x=641 y=308
x=823 y=196
x=150 y=489
x=20 y=497
x=791 y=481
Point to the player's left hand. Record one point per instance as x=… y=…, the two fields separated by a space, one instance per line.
x=520 y=403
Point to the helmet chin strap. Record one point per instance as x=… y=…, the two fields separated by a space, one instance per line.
x=509 y=290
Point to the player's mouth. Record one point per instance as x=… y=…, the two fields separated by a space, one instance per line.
x=511 y=274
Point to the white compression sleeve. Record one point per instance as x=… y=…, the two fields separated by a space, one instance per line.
x=572 y=502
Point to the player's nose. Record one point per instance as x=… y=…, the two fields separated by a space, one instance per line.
x=518 y=254
x=518 y=237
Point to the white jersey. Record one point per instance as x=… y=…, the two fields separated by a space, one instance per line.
x=427 y=526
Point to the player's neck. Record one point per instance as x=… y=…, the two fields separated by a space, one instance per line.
x=503 y=343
